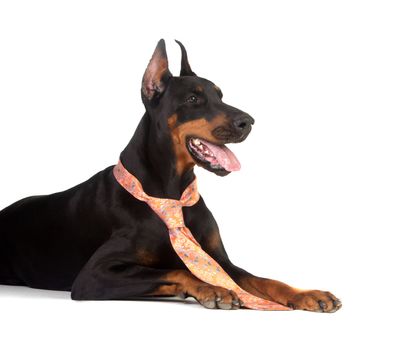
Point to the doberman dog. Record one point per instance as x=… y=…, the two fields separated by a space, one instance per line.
x=99 y=242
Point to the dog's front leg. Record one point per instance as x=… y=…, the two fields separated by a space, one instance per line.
x=310 y=300
x=112 y=274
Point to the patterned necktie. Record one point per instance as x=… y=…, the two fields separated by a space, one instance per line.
x=185 y=245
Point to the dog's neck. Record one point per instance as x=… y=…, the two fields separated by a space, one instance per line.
x=150 y=158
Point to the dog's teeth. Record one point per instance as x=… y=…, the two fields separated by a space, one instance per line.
x=204 y=150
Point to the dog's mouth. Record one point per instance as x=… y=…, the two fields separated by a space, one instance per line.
x=216 y=158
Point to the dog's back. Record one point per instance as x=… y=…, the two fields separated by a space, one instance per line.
x=38 y=235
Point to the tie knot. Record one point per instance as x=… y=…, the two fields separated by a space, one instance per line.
x=169 y=211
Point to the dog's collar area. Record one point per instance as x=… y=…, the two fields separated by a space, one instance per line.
x=131 y=184
x=183 y=242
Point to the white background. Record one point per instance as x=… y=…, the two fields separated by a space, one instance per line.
x=312 y=205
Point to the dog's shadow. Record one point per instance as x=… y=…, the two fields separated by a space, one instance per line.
x=32 y=293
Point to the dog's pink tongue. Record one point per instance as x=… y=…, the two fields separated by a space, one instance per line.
x=224 y=156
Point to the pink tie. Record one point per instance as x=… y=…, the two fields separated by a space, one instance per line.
x=185 y=245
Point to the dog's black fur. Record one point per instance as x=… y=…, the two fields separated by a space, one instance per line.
x=99 y=242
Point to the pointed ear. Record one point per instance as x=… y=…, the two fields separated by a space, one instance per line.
x=157 y=73
x=185 y=66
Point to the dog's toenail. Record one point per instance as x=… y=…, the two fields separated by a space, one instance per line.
x=322 y=304
x=183 y=295
x=235 y=302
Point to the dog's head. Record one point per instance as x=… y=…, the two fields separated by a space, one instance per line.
x=190 y=111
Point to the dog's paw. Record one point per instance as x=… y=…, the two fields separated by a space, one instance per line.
x=212 y=297
x=315 y=300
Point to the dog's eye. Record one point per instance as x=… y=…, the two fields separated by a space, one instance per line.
x=192 y=99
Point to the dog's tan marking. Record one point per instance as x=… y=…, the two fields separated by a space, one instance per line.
x=182 y=283
x=267 y=289
x=172 y=120
x=199 y=128
x=282 y=293
x=176 y=283
x=214 y=242
x=145 y=257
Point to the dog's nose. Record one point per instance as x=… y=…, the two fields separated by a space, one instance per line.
x=243 y=122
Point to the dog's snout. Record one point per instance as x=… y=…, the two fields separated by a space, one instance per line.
x=243 y=122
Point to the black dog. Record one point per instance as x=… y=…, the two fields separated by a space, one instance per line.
x=98 y=241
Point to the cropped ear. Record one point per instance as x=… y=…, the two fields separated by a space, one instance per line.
x=157 y=73
x=185 y=66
